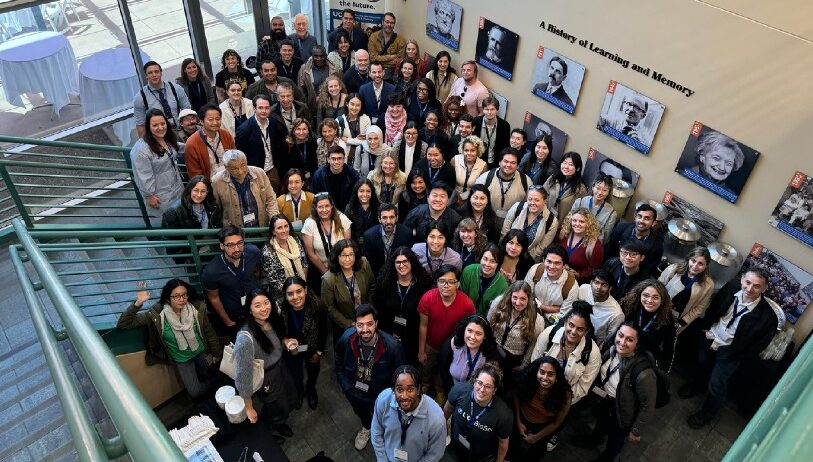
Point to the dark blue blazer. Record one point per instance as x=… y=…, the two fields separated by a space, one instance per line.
x=368 y=103
x=249 y=139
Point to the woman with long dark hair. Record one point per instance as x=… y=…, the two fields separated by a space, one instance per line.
x=538 y=163
x=179 y=333
x=516 y=261
x=689 y=285
x=155 y=165
x=302 y=149
x=415 y=194
x=348 y=283
x=409 y=149
x=196 y=84
x=398 y=290
x=353 y=125
x=541 y=403
x=263 y=337
x=321 y=231
x=305 y=320
x=196 y=209
x=478 y=208
x=566 y=185
x=649 y=306
x=442 y=74
x=283 y=256
x=406 y=72
x=470 y=346
x=362 y=210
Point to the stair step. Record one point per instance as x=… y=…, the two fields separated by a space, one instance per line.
x=39 y=430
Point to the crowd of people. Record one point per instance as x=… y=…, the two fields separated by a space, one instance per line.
x=457 y=272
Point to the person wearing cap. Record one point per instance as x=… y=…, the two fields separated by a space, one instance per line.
x=189 y=124
x=204 y=149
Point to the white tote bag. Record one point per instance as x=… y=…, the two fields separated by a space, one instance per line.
x=228 y=366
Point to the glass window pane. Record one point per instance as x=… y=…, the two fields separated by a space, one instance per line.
x=161 y=33
x=229 y=24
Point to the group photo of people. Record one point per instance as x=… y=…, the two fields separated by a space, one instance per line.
x=477 y=296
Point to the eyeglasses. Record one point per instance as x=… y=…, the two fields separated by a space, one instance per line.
x=232 y=245
x=401 y=262
x=182 y=296
x=421 y=89
x=447 y=282
x=627 y=253
x=485 y=386
x=344 y=255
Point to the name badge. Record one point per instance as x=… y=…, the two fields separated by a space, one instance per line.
x=463 y=441
x=361 y=386
x=243 y=300
x=599 y=391
x=401 y=455
x=297 y=226
x=303 y=348
x=373 y=120
x=400 y=321
x=249 y=217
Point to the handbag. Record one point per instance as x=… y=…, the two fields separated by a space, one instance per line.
x=228 y=366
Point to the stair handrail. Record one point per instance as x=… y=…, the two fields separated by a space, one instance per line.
x=63 y=144
x=141 y=432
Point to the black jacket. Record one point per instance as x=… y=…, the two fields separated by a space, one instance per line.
x=446 y=174
x=353 y=79
x=419 y=221
x=755 y=329
x=414 y=112
x=249 y=139
x=374 y=245
x=654 y=245
x=501 y=138
x=320 y=183
x=621 y=282
x=180 y=217
x=294 y=159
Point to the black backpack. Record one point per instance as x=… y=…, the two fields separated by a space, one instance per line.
x=588 y=345
x=664 y=394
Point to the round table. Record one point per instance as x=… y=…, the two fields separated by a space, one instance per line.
x=16 y=21
x=40 y=62
x=108 y=82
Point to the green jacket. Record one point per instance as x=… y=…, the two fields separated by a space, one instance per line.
x=470 y=284
x=157 y=352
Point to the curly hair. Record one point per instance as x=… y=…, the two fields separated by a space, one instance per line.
x=323 y=99
x=489 y=346
x=591 y=234
x=556 y=398
x=631 y=302
x=491 y=368
x=476 y=141
x=451 y=101
x=502 y=315
x=480 y=239
x=389 y=277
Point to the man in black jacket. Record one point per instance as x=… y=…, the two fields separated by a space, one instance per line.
x=436 y=209
x=493 y=130
x=335 y=178
x=381 y=240
x=262 y=140
x=642 y=229
x=740 y=323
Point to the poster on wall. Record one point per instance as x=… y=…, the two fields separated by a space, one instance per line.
x=794 y=212
x=630 y=117
x=597 y=162
x=503 y=103
x=443 y=19
x=557 y=79
x=536 y=127
x=496 y=48
x=369 y=13
x=716 y=162
x=677 y=207
x=789 y=286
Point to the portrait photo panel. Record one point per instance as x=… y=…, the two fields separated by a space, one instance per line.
x=496 y=48
x=596 y=162
x=677 y=207
x=630 y=117
x=557 y=79
x=794 y=211
x=503 y=110
x=789 y=286
x=716 y=162
x=443 y=19
x=536 y=127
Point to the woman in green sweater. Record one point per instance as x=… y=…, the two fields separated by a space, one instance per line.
x=482 y=282
x=179 y=333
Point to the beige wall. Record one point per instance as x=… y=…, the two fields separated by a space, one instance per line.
x=751 y=71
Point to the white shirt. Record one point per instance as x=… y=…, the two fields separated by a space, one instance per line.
x=720 y=332
x=409 y=151
x=266 y=140
x=612 y=384
x=606 y=317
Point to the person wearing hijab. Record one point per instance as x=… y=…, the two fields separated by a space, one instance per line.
x=371 y=149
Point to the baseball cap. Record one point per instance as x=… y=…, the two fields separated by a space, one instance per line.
x=187 y=112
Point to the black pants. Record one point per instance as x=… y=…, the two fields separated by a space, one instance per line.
x=607 y=424
x=520 y=450
x=714 y=368
x=298 y=365
x=362 y=407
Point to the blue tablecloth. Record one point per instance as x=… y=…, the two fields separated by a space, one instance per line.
x=40 y=62
x=15 y=21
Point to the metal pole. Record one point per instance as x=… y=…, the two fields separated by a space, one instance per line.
x=197 y=33
x=132 y=40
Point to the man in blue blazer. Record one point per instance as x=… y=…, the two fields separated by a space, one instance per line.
x=375 y=94
x=376 y=249
x=262 y=140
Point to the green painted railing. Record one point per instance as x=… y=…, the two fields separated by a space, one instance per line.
x=140 y=433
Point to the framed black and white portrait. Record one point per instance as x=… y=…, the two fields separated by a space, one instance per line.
x=716 y=162
x=630 y=117
x=557 y=79
x=535 y=127
x=496 y=48
x=503 y=103
x=794 y=211
x=443 y=19
x=596 y=163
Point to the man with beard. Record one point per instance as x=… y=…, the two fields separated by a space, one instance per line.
x=403 y=407
x=359 y=72
x=470 y=89
x=382 y=239
x=358 y=39
x=496 y=43
x=268 y=84
x=189 y=124
x=365 y=361
x=268 y=48
x=557 y=73
x=643 y=230
x=386 y=46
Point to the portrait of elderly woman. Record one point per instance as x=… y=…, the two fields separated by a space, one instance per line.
x=716 y=161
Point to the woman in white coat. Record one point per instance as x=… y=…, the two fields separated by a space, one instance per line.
x=235 y=109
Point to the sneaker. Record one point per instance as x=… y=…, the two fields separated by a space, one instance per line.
x=552 y=442
x=362 y=437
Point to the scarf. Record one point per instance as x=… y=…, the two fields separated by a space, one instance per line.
x=182 y=326
x=290 y=261
x=395 y=120
x=200 y=212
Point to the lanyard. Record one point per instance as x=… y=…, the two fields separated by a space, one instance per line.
x=536 y=220
x=572 y=248
x=504 y=189
x=289 y=71
x=535 y=170
x=338 y=106
x=303 y=152
x=362 y=360
x=472 y=362
x=432 y=176
x=235 y=113
x=325 y=241
x=610 y=373
x=590 y=206
x=296 y=207
x=563 y=352
x=472 y=419
x=242 y=266
x=422 y=108
x=266 y=137
x=508 y=326
x=648 y=324
x=562 y=190
x=405 y=421
x=429 y=260
x=736 y=313
x=209 y=146
x=351 y=285
x=465 y=253
x=403 y=295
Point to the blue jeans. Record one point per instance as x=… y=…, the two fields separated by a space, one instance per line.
x=717 y=367
x=196 y=376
